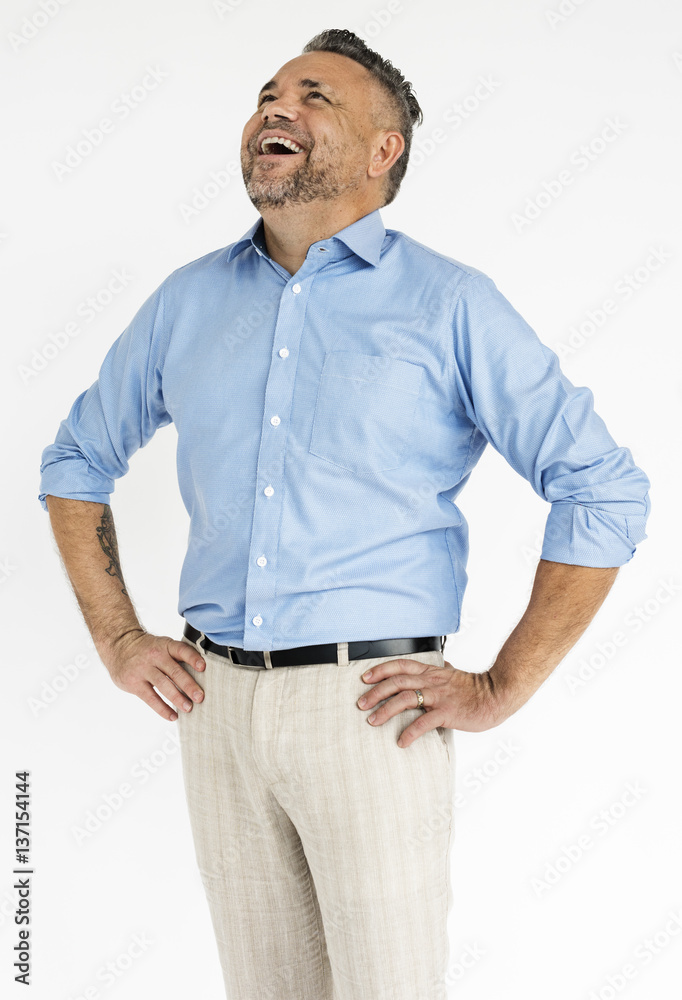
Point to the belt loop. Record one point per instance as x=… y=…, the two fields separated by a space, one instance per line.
x=199 y=642
x=342 y=654
x=267 y=658
x=442 y=645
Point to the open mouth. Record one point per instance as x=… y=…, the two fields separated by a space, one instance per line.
x=278 y=146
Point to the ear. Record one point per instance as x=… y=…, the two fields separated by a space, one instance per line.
x=387 y=149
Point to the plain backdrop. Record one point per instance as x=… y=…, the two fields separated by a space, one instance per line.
x=549 y=158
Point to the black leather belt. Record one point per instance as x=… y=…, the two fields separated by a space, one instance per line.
x=326 y=652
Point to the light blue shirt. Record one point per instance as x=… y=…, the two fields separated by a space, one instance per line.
x=327 y=422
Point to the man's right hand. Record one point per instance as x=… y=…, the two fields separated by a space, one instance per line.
x=139 y=662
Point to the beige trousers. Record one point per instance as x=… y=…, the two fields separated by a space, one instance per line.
x=322 y=845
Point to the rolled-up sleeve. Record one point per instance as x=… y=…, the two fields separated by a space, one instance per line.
x=512 y=388
x=115 y=417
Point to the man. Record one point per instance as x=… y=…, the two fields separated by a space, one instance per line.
x=320 y=372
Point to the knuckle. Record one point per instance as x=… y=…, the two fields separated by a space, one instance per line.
x=171 y=692
x=176 y=672
x=128 y=679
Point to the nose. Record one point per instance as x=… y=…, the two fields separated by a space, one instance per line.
x=277 y=109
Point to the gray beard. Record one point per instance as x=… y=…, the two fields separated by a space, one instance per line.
x=296 y=188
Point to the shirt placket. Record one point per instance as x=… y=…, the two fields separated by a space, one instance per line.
x=261 y=579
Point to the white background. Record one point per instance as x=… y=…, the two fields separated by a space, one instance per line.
x=608 y=718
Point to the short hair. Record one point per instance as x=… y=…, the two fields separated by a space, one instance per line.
x=404 y=110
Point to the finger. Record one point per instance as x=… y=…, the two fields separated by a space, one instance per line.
x=424 y=724
x=390 y=667
x=180 y=677
x=398 y=703
x=151 y=698
x=173 y=687
x=387 y=687
x=185 y=653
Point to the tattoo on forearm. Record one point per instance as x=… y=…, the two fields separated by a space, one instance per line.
x=106 y=533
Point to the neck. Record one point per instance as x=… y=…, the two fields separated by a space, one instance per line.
x=289 y=231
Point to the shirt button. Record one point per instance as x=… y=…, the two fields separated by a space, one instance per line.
x=296 y=288
x=268 y=491
x=275 y=420
x=284 y=352
x=322 y=249
x=261 y=560
x=257 y=620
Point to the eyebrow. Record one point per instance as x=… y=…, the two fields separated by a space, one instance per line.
x=301 y=83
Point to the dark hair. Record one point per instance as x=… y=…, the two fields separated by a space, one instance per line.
x=402 y=98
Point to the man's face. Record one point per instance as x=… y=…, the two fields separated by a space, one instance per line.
x=321 y=101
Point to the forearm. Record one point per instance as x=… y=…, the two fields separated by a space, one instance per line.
x=563 y=602
x=86 y=538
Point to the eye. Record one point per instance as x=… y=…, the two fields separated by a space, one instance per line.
x=313 y=93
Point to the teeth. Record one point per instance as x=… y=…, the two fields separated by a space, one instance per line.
x=280 y=139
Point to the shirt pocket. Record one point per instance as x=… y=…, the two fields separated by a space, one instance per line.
x=365 y=410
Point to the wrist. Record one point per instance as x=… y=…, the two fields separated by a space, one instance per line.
x=508 y=689
x=113 y=641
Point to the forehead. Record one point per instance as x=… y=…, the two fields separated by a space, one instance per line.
x=338 y=73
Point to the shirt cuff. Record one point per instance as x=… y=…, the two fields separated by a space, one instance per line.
x=92 y=497
x=587 y=536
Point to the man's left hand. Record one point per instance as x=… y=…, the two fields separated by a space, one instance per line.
x=453 y=699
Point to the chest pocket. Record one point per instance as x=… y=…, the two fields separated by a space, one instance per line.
x=365 y=410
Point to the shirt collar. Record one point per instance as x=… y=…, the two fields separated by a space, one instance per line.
x=364 y=237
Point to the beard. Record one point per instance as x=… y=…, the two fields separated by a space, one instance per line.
x=308 y=181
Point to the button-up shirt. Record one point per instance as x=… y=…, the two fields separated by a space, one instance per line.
x=327 y=422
